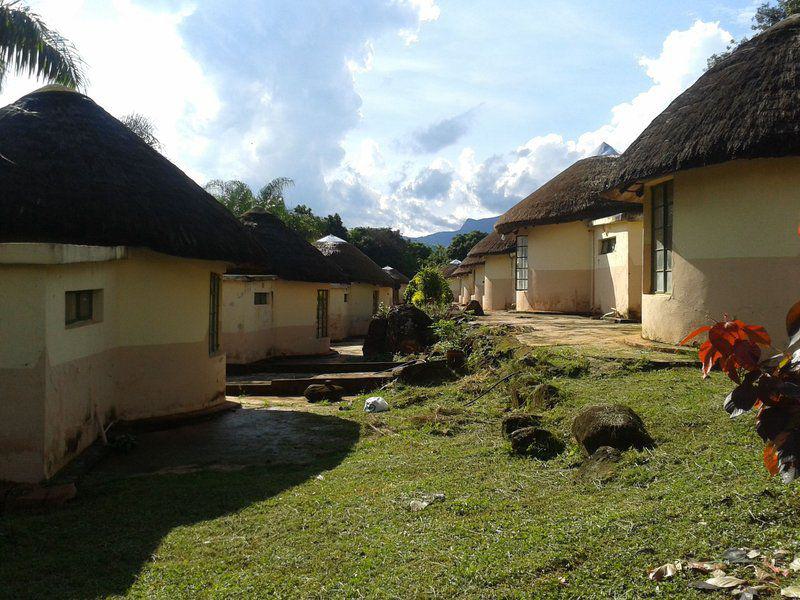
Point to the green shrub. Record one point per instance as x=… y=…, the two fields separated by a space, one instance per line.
x=428 y=287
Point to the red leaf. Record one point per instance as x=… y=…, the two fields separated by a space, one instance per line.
x=771 y=459
x=757 y=334
x=694 y=334
x=747 y=354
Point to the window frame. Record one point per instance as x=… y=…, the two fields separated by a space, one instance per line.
x=608 y=245
x=662 y=209
x=323 y=303
x=265 y=296
x=83 y=299
x=214 y=296
x=521 y=264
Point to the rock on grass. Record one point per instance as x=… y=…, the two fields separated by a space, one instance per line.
x=613 y=425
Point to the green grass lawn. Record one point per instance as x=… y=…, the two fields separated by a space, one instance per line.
x=508 y=527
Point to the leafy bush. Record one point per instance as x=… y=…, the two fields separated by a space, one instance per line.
x=452 y=335
x=428 y=287
x=770 y=386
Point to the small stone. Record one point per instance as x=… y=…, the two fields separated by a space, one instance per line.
x=319 y=392
x=536 y=442
x=513 y=422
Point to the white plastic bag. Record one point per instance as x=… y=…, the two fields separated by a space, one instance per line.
x=375 y=404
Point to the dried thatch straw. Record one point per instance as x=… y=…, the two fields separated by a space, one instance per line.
x=290 y=256
x=572 y=195
x=397 y=276
x=357 y=266
x=745 y=107
x=71 y=173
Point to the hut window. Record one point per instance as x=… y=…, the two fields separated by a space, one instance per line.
x=521 y=277
x=213 y=314
x=262 y=298
x=345 y=297
x=81 y=306
x=661 y=257
x=608 y=245
x=322 y=313
x=375 y=301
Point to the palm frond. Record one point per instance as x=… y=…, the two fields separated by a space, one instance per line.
x=29 y=47
x=274 y=189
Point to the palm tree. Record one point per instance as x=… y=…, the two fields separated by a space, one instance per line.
x=271 y=195
x=29 y=47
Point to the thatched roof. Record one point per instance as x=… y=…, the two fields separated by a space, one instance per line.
x=468 y=265
x=572 y=195
x=71 y=173
x=290 y=256
x=494 y=243
x=397 y=275
x=447 y=270
x=747 y=106
x=357 y=266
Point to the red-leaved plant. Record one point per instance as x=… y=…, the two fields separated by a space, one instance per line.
x=769 y=386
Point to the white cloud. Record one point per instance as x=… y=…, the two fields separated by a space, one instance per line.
x=492 y=186
x=137 y=61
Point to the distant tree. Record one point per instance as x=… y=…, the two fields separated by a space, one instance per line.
x=303 y=220
x=143 y=127
x=416 y=256
x=383 y=245
x=438 y=257
x=335 y=226
x=463 y=243
x=29 y=47
x=767 y=15
x=235 y=195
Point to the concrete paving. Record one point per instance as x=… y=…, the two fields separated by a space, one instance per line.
x=590 y=334
x=265 y=431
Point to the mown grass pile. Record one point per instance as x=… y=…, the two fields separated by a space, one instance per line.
x=508 y=527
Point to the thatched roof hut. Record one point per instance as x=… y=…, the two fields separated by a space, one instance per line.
x=397 y=276
x=357 y=266
x=572 y=195
x=745 y=107
x=71 y=173
x=494 y=243
x=468 y=265
x=448 y=269
x=290 y=256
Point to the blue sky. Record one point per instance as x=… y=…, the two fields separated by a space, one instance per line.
x=414 y=114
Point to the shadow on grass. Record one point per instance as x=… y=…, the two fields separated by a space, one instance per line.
x=97 y=545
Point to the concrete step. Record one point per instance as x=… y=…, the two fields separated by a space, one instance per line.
x=315 y=367
x=353 y=383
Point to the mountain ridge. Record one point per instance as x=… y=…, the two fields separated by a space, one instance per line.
x=445 y=237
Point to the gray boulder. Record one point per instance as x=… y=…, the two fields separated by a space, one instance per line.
x=613 y=425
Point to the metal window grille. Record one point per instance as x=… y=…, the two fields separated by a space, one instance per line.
x=661 y=253
x=521 y=270
x=213 y=313
x=322 y=313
